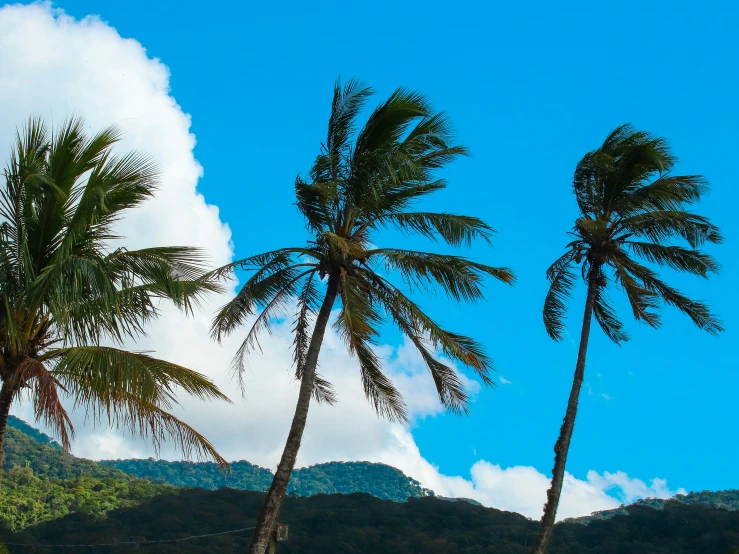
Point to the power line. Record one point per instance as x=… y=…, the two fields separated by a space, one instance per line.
x=138 y=543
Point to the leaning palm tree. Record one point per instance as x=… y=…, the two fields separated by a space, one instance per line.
x=361 y=182
x=631 y=207
x=66 y=292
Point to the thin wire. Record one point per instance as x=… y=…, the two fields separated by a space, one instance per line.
x=127 y=542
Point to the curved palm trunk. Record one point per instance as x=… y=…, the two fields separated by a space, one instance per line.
x=6 y=398
x=562 y=446
x=270 y=509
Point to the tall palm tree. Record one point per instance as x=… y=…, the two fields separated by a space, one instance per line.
x=631 y=208
x=360 y=183
x=65 y=291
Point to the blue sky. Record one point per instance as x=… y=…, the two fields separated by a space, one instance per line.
x=530 y=90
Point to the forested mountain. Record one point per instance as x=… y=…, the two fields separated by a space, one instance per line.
x=725 y=500
x=49 y=497
x=359 y=523
x=379 y=480
x=48 y=461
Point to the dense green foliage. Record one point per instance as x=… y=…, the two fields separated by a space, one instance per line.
x=726 y=500
x=71 y=288
x=359 y=523
x=52 y=497
x=32 y=432
x=49 y=462
x=203 y=475
x=27 y=499
x=379 y=480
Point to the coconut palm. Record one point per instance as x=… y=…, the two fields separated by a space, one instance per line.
x=362 y=182
x=632 y=211
x=67 y=293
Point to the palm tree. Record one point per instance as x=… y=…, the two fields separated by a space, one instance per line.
x=360 y=183
x=65 y=290
x=630 y=207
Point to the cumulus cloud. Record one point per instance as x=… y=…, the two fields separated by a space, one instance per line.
x=86 y=67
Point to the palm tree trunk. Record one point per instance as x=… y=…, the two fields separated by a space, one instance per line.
x=6 y=398
x=562 y=446
x=270 y=509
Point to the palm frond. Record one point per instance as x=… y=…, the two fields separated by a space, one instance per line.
x=459 y=277
x=698 y=312
x=259 y=290
x=643 y=301
x=660 y=226
x=675 y=257
x=407 y=314
x=100 y=376
x=274 y=308
x=561 y=282
x=357 y=324
x=46 y=402
x=456 y=230
x=607 y=318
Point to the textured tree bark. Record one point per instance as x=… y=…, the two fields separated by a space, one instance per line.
x=562 y=446
x=267 y=518
x=6 y=398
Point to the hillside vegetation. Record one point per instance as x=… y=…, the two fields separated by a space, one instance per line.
x=49 y=497
x=379 y=480
x=359 y=524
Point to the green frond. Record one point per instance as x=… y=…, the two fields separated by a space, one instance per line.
x=666 y=193
x=661 y=226
x=643 y=301
x=561 y=282
x=449 y=387
x=396 y=197
x=317 y=202
x=460 y=278
x=259 y=290
x=275 y=308
x=698 y=312
x=357 y=323
x=607 y=318
x=675 y=257
x=98 y=375
x=308 y=301
x=382 y=395
x=407 y=315
x=150 y=421
x=456 y=230
x=264 y=263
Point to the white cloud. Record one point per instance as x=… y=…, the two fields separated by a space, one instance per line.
x=53 y=65
x=504 y=381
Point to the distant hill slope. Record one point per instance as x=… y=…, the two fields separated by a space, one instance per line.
x=379 y=480
x=46 y=460
x=725 y=500
x=32 y=432
x=27 y=446
x=359 y=524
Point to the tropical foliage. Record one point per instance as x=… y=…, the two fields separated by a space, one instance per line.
x=361 y=524
x=69 y=285
x=29 y=500
x=48 y=462
x=93 y=503
x=634 y=216
x=365 y=180
x=379 y=480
